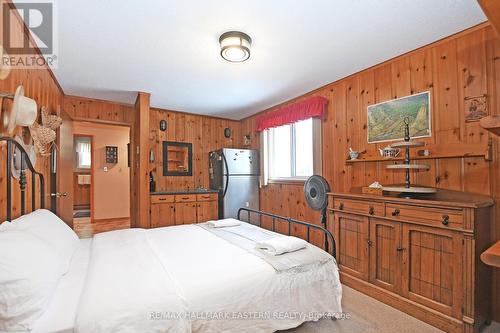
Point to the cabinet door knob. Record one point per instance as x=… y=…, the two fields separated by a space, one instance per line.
x=341 y=206
x=399 y=249
x=395 y=212
x=369 y=241
x=371 y=210
x=446 y=219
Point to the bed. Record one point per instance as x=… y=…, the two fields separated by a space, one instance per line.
x=179 y=279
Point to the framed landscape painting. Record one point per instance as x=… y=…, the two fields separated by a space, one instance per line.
x=386 y=119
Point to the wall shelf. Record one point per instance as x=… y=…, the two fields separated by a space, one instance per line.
x=491 y=123
x=447 y=151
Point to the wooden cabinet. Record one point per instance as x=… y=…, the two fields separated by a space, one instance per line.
x=206 y=211
x=351 y=235
x=386 y=253
x=177 y=209
x=185 y=213
x=418 y=255
x=162 y=215
x=432 y=274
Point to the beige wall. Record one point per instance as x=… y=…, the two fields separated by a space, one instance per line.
x=111 y=193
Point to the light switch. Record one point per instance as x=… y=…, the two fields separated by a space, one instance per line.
x=105 y=169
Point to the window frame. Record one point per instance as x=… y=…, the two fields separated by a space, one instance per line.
x=317 y=154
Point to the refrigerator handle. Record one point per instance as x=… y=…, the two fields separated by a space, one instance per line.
x=227 y=174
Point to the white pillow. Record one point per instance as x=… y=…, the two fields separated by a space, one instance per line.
x=29 y=272
x=5 y=225
x=50 y=228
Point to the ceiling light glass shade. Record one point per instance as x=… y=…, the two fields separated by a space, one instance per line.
x=235 y=46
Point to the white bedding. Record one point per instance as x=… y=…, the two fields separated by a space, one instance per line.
x=61 y=313
x=210 y=284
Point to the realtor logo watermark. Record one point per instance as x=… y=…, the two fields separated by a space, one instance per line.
x=40 y=20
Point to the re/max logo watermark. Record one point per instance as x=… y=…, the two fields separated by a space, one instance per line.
x=39 y=17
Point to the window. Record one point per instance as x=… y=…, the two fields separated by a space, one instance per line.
x=83 y=152
x=294 y=151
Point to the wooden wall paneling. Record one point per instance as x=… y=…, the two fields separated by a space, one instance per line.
x=401 y=86
x=205 y=133
x=355 y=171
x=93 y=110
x=140 y=161
x=438 y=67
x=366 y=92
x=445 y=93
x=493 y=84
x=491 y=9
x=340 y=177
x=40 y=85
x=383 y=92
x=471 y=66
x=328 y=142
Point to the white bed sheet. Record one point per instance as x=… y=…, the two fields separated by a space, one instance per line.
x=61 y=313
x=212 y=276
x=216 y=276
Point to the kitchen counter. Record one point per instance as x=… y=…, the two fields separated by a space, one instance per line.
x=183 y=192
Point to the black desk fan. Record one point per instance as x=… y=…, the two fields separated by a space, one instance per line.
x=315 y=190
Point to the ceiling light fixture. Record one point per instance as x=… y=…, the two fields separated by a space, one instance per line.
x=235 y=46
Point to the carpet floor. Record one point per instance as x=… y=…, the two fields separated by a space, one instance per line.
x=367 y=315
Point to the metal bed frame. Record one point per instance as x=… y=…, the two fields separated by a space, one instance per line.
x=25 y=162
x=329 y=239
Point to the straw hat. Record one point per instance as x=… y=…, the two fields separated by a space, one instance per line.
x=43 y=137
x=23 y=112
x=4 y=69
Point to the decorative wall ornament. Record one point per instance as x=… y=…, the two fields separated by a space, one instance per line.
x=247 y=140
x=476 y=107
x=111 y=154
x=163 y=125
x=44 y=135
x=386 y=119
x=227 y=132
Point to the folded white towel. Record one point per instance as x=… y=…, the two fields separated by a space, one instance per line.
x=281 y=244
x=224 y=223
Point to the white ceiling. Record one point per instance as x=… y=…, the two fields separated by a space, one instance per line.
x=111 y=49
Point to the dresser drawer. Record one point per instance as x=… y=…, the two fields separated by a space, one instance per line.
x=206 y=197
x=185 y=197
x=358 y=206
x=155 y=199
x=428 y=215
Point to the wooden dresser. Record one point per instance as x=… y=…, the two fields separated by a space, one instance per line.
x=169 y=209
x=420 y=256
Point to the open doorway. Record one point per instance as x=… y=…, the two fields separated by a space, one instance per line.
x=82 y=176
x=102 y=179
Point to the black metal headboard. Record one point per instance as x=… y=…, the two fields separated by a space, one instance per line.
x=25 y=162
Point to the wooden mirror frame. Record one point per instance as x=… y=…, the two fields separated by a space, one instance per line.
x=189 y=147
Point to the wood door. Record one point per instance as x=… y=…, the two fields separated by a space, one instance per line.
x=385 y=254
x=64 y=193
x=351 y=234
x=207 y=211
x=185 y=213
x=432 y=268
x=162 y=215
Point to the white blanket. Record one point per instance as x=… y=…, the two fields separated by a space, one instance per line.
x=128 y=288
x=185 y=279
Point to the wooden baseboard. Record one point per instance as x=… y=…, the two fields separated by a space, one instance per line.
x=430 y=316
x=111 y=220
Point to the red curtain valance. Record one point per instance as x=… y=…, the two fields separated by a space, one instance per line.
x=311 y=107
